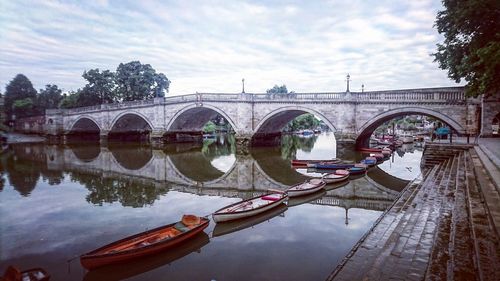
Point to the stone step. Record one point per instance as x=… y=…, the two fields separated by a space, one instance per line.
x=387 y=261
x=363 y=255
x=486 y=241
x=461 y=264
x=439 y=256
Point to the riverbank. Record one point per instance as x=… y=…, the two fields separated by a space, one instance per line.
x=443 y=226
x=23 y=138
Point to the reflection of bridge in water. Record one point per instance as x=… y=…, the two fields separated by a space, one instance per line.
x=248 y=175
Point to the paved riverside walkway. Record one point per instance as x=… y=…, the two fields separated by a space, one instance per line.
x=444 y=225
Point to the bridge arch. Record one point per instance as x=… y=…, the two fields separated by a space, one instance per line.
x=130 y=113
x=84 y=124
x=130 y=125
x=183 y=121
x=275 y=120
x=365 y=131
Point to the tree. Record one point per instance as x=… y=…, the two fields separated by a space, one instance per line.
x=100 y=84
x=69 y=100
x=471 y=49
x=49 y=98
x=20 y=88
x=277 y=91
x=136 y=81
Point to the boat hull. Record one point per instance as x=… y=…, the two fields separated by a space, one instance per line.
x=333 y=166
x=96 y=259
x=225 y=216
x=301 y=192
x=335 y=180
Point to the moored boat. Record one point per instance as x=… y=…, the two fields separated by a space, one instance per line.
x=333 y=166
x=378 y=156
x=334 y=177
x=236 y=225
x=34 y=274
x=145 y=243
x=249 y=207
x=297 y=162
x=357 y=170
x=117 y=272
x=370 y=161
x=307 y=187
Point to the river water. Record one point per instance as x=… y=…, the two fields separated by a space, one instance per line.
x=58 y=202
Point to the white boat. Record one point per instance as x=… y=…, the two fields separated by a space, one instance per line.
x=250 y=207
x=307 y=187
x=334 y=177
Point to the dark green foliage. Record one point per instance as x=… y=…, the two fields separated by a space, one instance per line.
x=304 y=121
x=136 y=81
x=278 y=91
x=49 y=98
x=20 y=88
x=101 y=85
x=471 y=49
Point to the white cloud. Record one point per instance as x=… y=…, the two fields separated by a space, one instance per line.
x=210 y=47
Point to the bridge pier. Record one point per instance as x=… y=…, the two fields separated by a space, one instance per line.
x=103 y=138
x=157 y=138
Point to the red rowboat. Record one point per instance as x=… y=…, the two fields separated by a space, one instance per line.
x=145 y=243
x=33 y=274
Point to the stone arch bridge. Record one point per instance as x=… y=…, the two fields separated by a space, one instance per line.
x=351 y=115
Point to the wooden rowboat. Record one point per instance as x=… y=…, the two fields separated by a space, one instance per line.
x=307 y=187
x=33 y=274
x=117 y=272
x=237 y=225
x=145 y=243
x=249 y=207
x=332 y=166
x=303 y=163
x=334 y=177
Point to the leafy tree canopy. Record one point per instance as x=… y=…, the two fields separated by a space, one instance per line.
x=277 y=90
x=471 y=49
x=20 y=88
x=49 y=98
x=136 y=81
x=101 y=85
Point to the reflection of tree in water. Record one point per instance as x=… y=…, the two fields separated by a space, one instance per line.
x=128 y=192
x=290 y=144
x=132 y=157
x=220 y=146
x=24 y=165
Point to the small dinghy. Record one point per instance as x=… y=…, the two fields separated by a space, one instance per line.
x=250 y=207
x=333 y=166
x=370 y=161
x=307 y=187
x=33 y=274
x=357 y=170
x=334 y=177
x=145 y=243
x=304 y=163
x=237 y=225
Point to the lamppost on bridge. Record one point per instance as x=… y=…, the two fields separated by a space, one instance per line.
x=362 y=88
x=243 y=84
x=348 y=77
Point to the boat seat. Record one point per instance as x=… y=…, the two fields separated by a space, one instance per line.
x=181 y=227
x=270 y=198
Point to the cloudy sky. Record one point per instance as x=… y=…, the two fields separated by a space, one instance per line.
x=209 y=46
